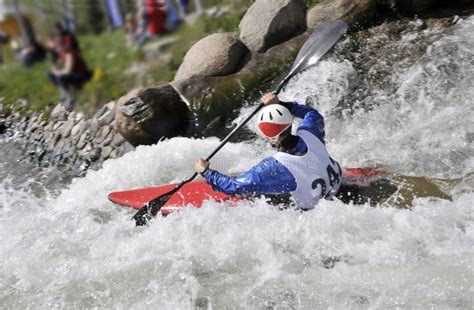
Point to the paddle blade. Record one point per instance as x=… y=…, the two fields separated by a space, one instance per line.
x=317 y=45
x=149 y=211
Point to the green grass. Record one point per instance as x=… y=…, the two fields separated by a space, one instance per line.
x=310 y=3
x=106 y=54
x=188 y=35
x=109 y=56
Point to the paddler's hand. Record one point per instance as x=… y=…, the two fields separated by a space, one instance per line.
x=201 y=166
x=269 y=98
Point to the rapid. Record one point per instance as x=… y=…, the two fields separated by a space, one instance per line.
x=63 y=245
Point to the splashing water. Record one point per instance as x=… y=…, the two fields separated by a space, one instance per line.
x=77 y=250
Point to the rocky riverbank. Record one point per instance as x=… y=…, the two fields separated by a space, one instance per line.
x=67 y=138
x=218 y=74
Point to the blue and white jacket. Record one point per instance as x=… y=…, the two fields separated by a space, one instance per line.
x=269 y=176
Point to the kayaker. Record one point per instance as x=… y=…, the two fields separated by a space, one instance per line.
x=302 y=165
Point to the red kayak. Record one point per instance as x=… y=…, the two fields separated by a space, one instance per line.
x=196 y=192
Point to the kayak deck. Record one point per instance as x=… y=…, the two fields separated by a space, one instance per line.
x=195 y=193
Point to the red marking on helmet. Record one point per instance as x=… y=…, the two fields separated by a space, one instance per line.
x=272 y=130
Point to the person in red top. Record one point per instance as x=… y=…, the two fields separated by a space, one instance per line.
x=153 y=19
x=70 y=69
x=156 y=16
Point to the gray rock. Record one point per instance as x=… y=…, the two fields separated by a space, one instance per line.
x=59 y=113
x=127 y=147
x=215 y=55
x=59 y=146
x=53 y=142
x=83 y=140
x=94 y=154
x=47 y=137
x=145 y=116
x=22 y=102
x=117 y=140
x=75 y=130
x=79 y=128
x=23 y=124
x=105 y=132
x=57 y=125
x=110 y=105
x=49 y=126
x=72 y=116
x=93 y=127
x=39 y=136
x=32 y=128
x=68 y=128
x=107 y=118
x=347 y=10
x=107 y=140
x=115 y=153
x=100 y=112
x=84 y=153
x=106 y=152
x=33 y=120
x=268 y=23
x=79 y=116
x=211 y=97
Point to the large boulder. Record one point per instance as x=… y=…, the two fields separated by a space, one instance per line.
x=347 y=10
x=268 y=23
x=215 y=55
x=144 y=116
x=217 y=100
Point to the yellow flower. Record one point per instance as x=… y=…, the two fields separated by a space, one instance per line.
x=98 y=73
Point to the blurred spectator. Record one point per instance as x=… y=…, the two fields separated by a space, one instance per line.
x=156 y=16
x=31 y=53
x=66 y=38
x=63 y=39
x=183 y=6
x=172 y=15
x=131 y=28
x=4 y=39
x=30 y=50
x=152 y=15
x=70 y=70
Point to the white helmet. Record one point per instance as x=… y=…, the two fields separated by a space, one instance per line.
x=273 y=120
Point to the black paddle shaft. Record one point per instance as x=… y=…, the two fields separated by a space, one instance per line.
x=317 y=45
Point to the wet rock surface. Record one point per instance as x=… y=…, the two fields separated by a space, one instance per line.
x=147 y=115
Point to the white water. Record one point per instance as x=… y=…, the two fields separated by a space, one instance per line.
x=79 y=251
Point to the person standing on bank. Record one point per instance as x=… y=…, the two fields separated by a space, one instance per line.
x=302 y=166
x=70 y=71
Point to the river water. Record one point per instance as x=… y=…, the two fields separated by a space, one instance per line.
x=63 y=245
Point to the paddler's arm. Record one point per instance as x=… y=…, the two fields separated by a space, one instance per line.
x=312 y=120
x=267 y=177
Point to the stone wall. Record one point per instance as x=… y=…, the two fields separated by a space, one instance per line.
x=69 y=138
